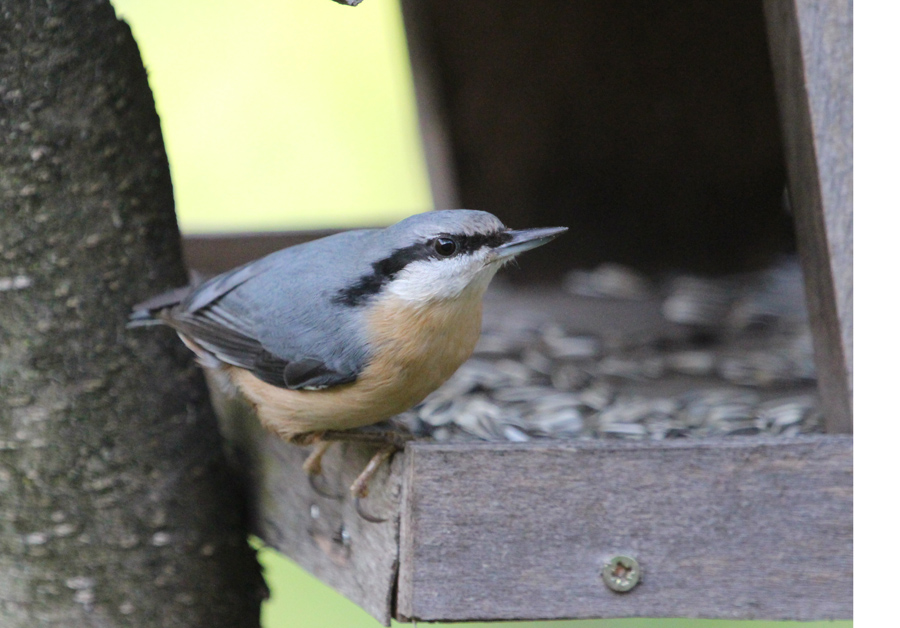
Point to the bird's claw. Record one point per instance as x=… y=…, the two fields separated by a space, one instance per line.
x=360 y=487
x=317 y=484
x=362 y=512
x=313 y=467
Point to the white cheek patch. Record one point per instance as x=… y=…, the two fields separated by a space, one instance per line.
x=430 y=280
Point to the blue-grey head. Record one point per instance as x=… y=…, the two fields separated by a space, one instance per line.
x=442 y=255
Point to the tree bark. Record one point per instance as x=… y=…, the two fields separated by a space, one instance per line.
x=116 y=505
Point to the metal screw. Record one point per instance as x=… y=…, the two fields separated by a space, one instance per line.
x=621 y=573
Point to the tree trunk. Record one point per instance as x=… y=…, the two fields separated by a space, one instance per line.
x=116 y=506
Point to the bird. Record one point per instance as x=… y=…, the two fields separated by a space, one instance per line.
x=348 y=330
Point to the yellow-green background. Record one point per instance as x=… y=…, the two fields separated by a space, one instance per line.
x=283 y=114
x=297 y=114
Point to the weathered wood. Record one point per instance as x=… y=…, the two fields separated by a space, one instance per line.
x=324 y=536
x=811 y=46
x=431 y=115
x=743 y=528
x=213 y=253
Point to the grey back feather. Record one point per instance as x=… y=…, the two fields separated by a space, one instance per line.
x=275 y=316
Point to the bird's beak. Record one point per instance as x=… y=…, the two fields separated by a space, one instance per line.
x=525 y=240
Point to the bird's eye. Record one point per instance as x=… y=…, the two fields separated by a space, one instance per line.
x=445 y=247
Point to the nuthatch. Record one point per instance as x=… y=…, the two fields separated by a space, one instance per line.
x=351 y=329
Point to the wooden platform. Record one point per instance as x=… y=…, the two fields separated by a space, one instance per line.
x=741 y=527
x=747 y=528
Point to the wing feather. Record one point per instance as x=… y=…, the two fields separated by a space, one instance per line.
x=294 y=341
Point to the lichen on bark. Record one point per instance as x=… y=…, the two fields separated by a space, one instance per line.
x=116 y=505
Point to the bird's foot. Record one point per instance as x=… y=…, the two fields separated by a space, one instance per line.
x=391 y=441
x=313 y=467
x=381 y=434
x=359 y=490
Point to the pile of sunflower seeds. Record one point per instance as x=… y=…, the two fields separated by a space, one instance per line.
x=742 y=364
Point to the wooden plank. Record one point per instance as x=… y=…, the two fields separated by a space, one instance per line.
x=324 y=536
x=433 y=129
x=213 y=253
x=811 y=44
x=703 y=512
x=740 y=528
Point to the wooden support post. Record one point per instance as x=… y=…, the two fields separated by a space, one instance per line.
x=431 y=115
x=811 y=44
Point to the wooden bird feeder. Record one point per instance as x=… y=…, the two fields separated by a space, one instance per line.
x=596 y=115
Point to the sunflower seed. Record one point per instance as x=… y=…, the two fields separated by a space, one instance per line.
x=537 y=361
x=556 y=401
x=748 y=430
x=495 y=344
x=569 y=347
x=697 y=363
x=732 y=412
x=438 y=411
x=597 y=397
x=719 y=396
x=569 y=377
x=697 y=301
x=614 y=366
x=560 y=422
x=783 y=413
x=624 y=430
x=441 y=434
x=479 y=417
x=513 y=394
x=514 y=434
x=513 y=373
x=608 y=280
x=653 y=368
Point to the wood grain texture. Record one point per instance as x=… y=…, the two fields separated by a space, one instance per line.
x=811 y=47
x=213 y=253
x=429 y=108
x=741 y=528
x=324 y=536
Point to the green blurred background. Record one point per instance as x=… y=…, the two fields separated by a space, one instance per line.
x=283 y=114
x=298 y=114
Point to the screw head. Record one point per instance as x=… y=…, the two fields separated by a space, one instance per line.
x=621 y=573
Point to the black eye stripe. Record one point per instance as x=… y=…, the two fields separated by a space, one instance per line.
x=470 y=243
x=386 y=269
x=383 y=271
x=492 y=240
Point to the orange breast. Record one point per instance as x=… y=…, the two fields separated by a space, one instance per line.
x=415 y=349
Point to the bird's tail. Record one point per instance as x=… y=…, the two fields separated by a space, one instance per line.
x=145 y=314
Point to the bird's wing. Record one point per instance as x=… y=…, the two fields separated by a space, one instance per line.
x=232 y=341
x=291 y=341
